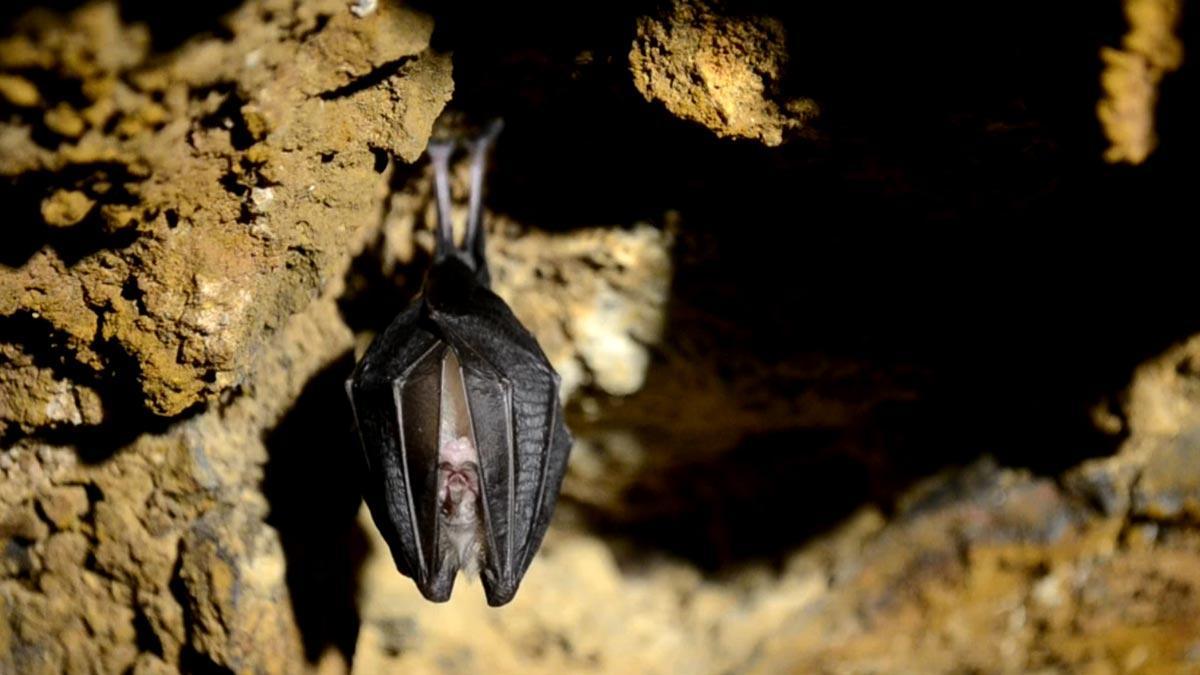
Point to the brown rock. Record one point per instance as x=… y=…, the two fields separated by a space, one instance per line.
x=187 y=332
x=1131 y=76
x=63 y=120
x=1155 y=474
x=719 y=70
x=149 y=664
x=1169 y=485
x=215 y=286
x=23 y=524
x=33 y=397
x=66 y=552
x=63 y=505
x=19 y=91
x=66 y=207
x=980 y=552
x=199 y=303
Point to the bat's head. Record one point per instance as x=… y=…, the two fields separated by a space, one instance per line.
x=460 y=527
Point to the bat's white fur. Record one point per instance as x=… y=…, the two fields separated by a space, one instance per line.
x=461 y=529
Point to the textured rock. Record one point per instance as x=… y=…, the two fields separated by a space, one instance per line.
x=720 y=70
x=163 y=548
x=66 y=207
x=233 y=181
x=1013 y=561
x=982 y=552
x=19 y=91
x=34 y=397
x=1131 y=77
x=188 y=264
x=1156 y=475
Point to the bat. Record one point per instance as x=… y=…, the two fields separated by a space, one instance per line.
x=458 y=412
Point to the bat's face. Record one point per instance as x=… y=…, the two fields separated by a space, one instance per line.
x=458 y=482
x=461 y=537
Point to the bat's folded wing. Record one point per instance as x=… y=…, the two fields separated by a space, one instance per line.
x=394 y=393
x=513 y=419
x=523 y=443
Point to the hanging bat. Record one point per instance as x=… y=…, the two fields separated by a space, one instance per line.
x=458 y=412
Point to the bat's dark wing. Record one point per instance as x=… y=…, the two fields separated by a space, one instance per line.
x=523 y=443
x=510 y=393
x=400 y=454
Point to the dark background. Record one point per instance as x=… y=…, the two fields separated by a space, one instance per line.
x=955 y=215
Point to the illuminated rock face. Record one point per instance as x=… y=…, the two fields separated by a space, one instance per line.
x=721 y=70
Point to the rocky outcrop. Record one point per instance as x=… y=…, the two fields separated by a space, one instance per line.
x=173 y=212
x=721 y=70
x=180 y=225
x=1132 y=74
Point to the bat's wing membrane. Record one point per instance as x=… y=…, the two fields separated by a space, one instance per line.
x=514 y=419
x=395 y=395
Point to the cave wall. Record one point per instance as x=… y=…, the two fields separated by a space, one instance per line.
x=875 y=336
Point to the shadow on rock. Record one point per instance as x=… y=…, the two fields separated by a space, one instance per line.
x=168 y=30
x=773 y=492
x=311 y=482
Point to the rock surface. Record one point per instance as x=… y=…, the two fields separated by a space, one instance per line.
x=204 y=234
x=983 y=552
x=1132 y=75
x=230 y=180
x=219 y=181
x=720 y=70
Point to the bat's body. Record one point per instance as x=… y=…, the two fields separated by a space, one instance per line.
x=458 y=412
